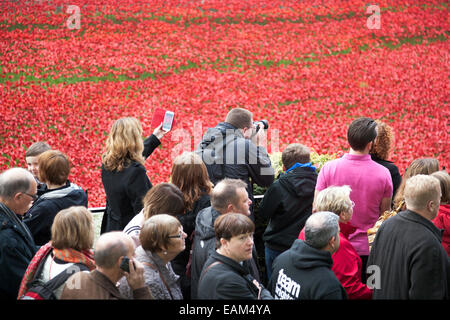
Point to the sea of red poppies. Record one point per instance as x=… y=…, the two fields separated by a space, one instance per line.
x=69 y=68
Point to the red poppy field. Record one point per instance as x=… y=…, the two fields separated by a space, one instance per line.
x=70 y=68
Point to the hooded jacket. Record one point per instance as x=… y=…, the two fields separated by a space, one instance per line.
x=287 y=203
x=304 y=273
x=39 y=218
x=347 y=265
x=205 y=244
x=227 y=154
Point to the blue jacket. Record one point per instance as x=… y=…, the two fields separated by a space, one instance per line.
x=17 y=248
x=39 y=218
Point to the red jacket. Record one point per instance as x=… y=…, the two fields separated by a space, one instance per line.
x=442 y=221
x=347 y=265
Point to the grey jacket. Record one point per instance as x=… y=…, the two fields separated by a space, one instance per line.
x=153 y=265
x=227 y=154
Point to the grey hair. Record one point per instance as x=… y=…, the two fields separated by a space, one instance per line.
x=335 y=199
x=320 y=228
x=13 y=181
x=109 y=248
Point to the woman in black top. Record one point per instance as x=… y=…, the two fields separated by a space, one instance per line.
x=123 y=172
x=381 y=148
x=189 y=173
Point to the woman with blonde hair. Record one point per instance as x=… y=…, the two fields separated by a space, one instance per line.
x=381 y=150
x=71 y=243
x=418 y=166
x=190 y=175
x=162 y=239
x=124 y=176
x=347 y=264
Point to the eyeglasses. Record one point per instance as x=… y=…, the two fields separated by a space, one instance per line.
x=33 y=196
x=178 y=236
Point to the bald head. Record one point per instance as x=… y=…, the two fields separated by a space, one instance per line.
x=17 y=190
x=15 y=180
x=110 y=247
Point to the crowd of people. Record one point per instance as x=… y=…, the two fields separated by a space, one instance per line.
x=193 y=237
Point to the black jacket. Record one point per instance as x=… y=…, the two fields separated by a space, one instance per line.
x=227 y=154
x=39 y=218
x=304 y=273
x=393 y=170
x=17 y=248
x=411 y=262
x=125 y=190
x=224 y=278
x=205 y=244
x=287 y=203
x=180 y=262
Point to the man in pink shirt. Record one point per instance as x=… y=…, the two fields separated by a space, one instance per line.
x=370 y=182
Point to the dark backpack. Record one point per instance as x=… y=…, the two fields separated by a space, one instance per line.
x=39 y=290
x=214 y=155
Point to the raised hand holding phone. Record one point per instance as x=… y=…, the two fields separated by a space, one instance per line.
x=134 y=273
x=161 y=123
x=168 y=120
x=159 y=132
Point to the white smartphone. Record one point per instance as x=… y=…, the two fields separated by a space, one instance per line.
x=168 y=120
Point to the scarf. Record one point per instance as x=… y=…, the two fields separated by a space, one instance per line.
x=302 y=165
x=85 y=257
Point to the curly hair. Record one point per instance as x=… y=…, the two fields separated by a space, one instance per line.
x=123 y=145
x=384 y=141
